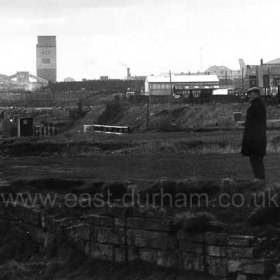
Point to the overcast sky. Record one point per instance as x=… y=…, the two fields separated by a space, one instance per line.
x=103 y=37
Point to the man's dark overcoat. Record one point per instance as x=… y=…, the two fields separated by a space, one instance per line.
x=254 y=136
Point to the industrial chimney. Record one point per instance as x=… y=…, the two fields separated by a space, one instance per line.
x=128 y=73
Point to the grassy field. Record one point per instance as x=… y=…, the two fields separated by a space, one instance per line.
x=120 y=167
x=137 y=156
x=90 y=144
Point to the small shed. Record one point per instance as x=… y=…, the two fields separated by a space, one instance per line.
x=25 y=126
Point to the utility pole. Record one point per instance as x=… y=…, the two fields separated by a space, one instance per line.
x=268 y=74
x=226 y=78
x=170 y=83
x=257 y=75
x=242 y=77
x=148 y=111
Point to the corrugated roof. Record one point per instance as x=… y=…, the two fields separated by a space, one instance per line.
x=275 y=61
x=183 y=79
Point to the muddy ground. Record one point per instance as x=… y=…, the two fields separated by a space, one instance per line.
x=136 y=167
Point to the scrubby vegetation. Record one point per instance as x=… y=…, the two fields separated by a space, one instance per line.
x=171 y=117
x=88 y=144
x=207 y=203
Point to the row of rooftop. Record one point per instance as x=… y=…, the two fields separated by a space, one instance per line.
x=264 y=75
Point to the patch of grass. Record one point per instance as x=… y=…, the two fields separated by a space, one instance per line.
x=112 y=113
x=267 y=202
x=162 y=190
x=265 y=215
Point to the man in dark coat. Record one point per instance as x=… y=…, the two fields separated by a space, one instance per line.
x=254 y=136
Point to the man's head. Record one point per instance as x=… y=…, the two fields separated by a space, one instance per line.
x=253 y=93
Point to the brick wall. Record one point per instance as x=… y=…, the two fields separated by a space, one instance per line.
x=124 y=234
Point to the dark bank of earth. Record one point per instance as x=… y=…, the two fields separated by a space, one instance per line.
x=22 y=258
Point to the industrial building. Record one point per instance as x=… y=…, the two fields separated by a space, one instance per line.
x=183 y=85
x=266 y=76
x=22 y=81
x=46 y=58
x=224 y=73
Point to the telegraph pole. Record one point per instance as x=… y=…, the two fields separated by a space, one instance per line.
x=268 y=72
x=170 y=83
x=148 y=111
x=226 y=78
x=257 y=76
x=242 y=77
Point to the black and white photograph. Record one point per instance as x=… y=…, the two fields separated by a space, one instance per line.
x=139 y=140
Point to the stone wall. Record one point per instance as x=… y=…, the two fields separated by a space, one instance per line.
x=125 y=234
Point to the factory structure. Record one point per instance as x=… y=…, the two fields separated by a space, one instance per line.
x=46 y=69
x=21 y=81
x=46 y=58
x=213 y=79
x=181 y=85
x=265 y=75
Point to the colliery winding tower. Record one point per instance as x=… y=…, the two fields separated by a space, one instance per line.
x=46 y=58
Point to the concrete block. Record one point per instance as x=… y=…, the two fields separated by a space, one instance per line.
x=98 y=220
x=102 y=251
x=151 y=239
x=191 y=247
x=120 y=222
x=242 y=252
x=241 y=241
x=233 y=252
x=217 y=266
x=123 y=254
x=120 y=254
x=79 y=232
x=108 y=235
x=192 y=261
x=257 y=267
x=217 y=251
x=233 y=265
x=162 y=258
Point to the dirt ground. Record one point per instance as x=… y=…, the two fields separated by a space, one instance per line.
x=137 y=167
